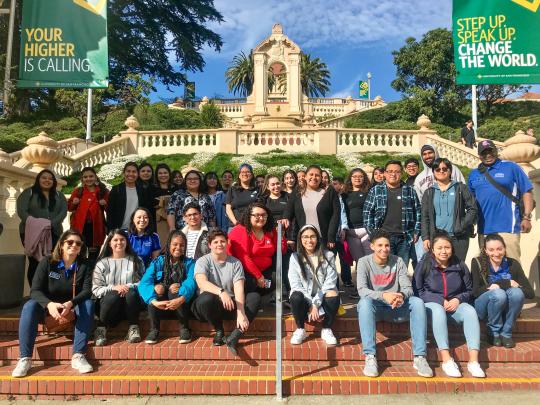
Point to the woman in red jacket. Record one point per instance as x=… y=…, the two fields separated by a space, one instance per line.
x=87 y=205
x=253 y=241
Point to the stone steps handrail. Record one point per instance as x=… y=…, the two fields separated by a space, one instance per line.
x=102 y=153
x=68 y=147
x=455 y=152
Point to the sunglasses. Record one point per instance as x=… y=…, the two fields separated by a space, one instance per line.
x=441 y=169
x=71 y=242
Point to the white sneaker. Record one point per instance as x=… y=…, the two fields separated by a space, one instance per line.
x=451 y=369
x=371 y=368
x=475 y=369
x=79 y=362
x=328 y=336
x=298 y=336
x=21 y=369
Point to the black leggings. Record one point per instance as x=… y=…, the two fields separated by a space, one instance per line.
x=209 y=308
x=182 y=313
x=113 y=308
x=301 y=307
x=250 y=284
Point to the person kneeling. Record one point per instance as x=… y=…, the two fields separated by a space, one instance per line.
x=445 y=285
x=220 y=279
x=62 y=282
x=313 y=279
x=168 y=286
x=114 y=284
x=386 y=294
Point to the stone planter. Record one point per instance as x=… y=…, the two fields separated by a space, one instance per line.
x=12 y=268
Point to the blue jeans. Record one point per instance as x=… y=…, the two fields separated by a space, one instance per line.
x=464 y=314
x=400 y=247
x=500 y=309
x=370 y=311
x=33 y=313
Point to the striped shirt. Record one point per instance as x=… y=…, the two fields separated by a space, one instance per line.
x=192 y=239
x=110 y=272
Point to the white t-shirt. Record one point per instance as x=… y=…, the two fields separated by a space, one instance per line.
x=310 y=200
x=192 y=237
x=132 y=203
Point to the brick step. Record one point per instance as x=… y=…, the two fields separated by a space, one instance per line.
x=58 y=349
x=266 y=326
x=237 y=378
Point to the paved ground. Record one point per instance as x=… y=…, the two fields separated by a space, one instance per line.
x=529 y=398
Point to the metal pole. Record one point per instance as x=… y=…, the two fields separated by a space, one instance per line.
x=9 y=50
x=369 y=85
x=279 y=316
x=89 y=118
x=474 y=110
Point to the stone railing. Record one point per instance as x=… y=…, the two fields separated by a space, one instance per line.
x=455 y=152
x=377 y=140
x=182 y=141
x=230 y=108
x=102 y=153
x=68 y=147
x=263 y=141
x=323 y=109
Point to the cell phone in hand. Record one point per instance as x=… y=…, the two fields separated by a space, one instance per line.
x=267 y=283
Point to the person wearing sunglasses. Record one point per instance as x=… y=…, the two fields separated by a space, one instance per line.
x=449 y=206
x=52 y=293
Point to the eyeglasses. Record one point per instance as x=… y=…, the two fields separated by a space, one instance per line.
x=308 y=237
x=441 y=169
x=71 y=242
x=260 y=216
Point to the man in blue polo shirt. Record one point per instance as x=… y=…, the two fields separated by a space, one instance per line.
x=497 y=212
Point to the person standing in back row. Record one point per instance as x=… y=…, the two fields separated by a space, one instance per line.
x=467 y=135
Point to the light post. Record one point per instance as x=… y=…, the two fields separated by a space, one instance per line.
x=369 y=85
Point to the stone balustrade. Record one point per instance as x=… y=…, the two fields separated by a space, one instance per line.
x=230 y=108
x=102 y=153
x=377 y=140
x=455 y=152
x=263 y=141
x=184 y=141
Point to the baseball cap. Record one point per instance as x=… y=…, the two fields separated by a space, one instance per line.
x=485 y=145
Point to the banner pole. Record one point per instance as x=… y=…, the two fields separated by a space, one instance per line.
x=89 y=118
x=9 y=51
x=474 y=109
x=279 y=316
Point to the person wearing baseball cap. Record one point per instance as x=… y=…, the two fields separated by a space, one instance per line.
x=501 y=187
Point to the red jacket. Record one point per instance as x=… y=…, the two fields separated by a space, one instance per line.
x=89 y=207
x=255 y=255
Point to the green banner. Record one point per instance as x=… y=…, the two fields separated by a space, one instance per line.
x=363 y=90
x=189 y=91
x=496 y=41
x=64 y=44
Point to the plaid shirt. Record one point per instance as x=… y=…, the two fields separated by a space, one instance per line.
x=376 y=204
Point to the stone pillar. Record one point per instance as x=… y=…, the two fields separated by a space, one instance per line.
x=294 y=85
x=522 y=149
x=326 y=141
x=131 y=133
x=261 y=83
x=41 y=151
x=227 y=140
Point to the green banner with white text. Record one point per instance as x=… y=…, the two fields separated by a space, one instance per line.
x=64 y=44
x=363 y=90
x=496 y=41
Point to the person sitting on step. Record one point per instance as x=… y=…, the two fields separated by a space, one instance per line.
x=500 y=287
x=114 y=284
x=62 y=282
x=313 y=280
x=196 y=231
x=220 y=278
x=168 y=287
x=444 y=283
x=386 y=294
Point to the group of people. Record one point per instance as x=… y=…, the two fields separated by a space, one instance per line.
x=205 y=246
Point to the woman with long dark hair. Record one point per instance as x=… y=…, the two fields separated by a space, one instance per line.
x=63 y=282
x=313 y=279
x=192 y=190
x=144 y=242
x=444 y=283
x=177 y=178
x=289 y=181
x=114 y=284
x=500 y=287
x=254 y=242
x=87 y=205
x=146 y=175
x=215 y=191
x=168 y=287
x=241 y=194
x=42 y=210
x=163 y=189
x=377 y=176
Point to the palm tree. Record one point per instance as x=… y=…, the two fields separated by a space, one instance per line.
x=314 y=76
x=240 y=75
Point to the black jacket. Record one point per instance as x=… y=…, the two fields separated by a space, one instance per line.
x=465 y=213
x=328 y=214
x=50 y=284
x=116 y=207
x=481 y=284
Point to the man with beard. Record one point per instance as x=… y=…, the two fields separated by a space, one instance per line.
x=498 y=211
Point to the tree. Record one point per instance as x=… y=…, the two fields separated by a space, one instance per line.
x=490 y=94
x=240 y=74
x=134 y=90
x=426 y=75
x=314 y=76
x=211 y=116
x=75 y=101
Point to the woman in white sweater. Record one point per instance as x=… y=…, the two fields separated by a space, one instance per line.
x=114 y=284
x=313 y=280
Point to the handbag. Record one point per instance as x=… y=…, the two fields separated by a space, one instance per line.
x=64 y=323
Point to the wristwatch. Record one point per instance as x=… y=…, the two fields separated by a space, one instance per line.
x=528 y=217
x=221 y=290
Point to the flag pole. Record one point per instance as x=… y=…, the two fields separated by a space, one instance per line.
x=474 y=109
x=89 y=118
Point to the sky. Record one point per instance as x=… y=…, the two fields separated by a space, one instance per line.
x=353 y=37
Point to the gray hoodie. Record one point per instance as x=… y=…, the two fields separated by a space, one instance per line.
x=425 y=178
x=373 y=280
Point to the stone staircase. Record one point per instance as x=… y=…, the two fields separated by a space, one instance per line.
x=169 y=368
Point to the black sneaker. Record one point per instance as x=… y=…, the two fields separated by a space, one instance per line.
x=507 y=342
x=494 y=340
x=152 y=337
x=185 y=335
x=349 y=285
x=219 y=338
x=353 y=293
x=232 y=341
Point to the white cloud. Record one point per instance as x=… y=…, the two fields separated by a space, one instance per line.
x=326 y=24
x=350 y=89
